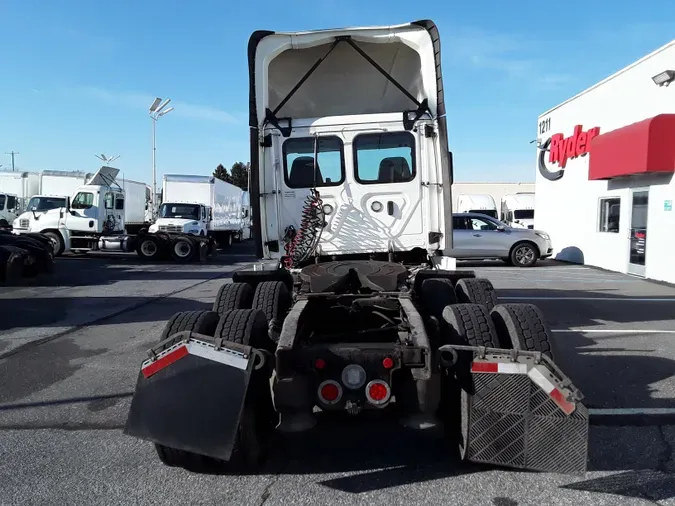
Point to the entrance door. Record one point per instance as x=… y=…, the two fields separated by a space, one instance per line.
x=637 y=239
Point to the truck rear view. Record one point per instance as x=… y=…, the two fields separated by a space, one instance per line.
x=355 y=306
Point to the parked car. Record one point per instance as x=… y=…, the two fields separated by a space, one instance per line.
x=478 y=236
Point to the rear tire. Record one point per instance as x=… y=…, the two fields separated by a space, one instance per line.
x=476 y=291
x=522 y=327
x=274 y=300
x=11 y=265
x=233 y=296
x=470 y=325
x=148 y=247
x=249 y=327
x=201 y=322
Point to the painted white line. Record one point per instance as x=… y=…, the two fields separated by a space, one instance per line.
x=631 y=411
x=615 y=331
x=614 y=299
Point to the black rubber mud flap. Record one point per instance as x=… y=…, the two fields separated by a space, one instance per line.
x=520 y=416
x=191 y=397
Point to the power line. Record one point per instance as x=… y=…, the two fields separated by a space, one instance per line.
x=12 y=153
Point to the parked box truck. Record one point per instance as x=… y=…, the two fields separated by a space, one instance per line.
x=203 y=206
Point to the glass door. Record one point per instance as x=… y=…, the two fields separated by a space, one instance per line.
x=637 y=238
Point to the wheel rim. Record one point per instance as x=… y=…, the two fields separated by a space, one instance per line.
x=55 y=244
x=524 y=255
x=148 y=248
x=182 y=249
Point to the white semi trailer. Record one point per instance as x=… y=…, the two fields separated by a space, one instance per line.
x=477 y=203
x=203 y=206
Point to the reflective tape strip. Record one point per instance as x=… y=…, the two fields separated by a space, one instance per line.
x=499 y=367
x=545 y=384
x=154 y=367
x=223 y=356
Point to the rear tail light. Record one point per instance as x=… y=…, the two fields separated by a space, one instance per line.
x=330 y=392
x=378 y=392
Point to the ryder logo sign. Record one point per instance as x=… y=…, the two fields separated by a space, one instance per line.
x=561 y=149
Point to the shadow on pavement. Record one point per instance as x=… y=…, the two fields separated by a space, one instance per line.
x=624 y=370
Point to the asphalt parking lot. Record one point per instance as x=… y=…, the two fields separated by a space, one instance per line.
x=70 y=348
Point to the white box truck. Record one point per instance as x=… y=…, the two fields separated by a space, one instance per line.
x=203 y=206
x=477 y=203
x=518 y=210
x=15 y=190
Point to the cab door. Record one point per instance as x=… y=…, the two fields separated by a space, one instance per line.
x=381 y=206
x=83 y=215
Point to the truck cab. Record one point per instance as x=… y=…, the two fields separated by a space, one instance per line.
x=184 y=218
x=95 y=209
x=518 y=210
x=8 y=208
x=37 y=206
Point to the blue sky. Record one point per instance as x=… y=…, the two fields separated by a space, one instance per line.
x=78 y=75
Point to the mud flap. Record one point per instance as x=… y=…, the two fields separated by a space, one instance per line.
x=521 y=412
x=190 y=397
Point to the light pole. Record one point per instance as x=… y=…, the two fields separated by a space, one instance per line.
x=156 y=111
x=106 y=159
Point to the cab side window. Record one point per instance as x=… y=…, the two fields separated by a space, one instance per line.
x=83 y=200
x=109 y=201
x=11 y=202
x=478 y=224
x=458 y=223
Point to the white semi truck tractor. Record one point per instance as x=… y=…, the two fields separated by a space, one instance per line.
x=94 y=219
x=354 y=306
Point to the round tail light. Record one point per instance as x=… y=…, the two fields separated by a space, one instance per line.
x=330 y=392
x=378 y=392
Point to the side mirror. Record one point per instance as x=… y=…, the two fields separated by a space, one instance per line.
x=34 y=208
x=501 y=228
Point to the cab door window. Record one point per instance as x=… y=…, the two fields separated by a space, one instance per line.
x=109 y=200
x=382 y=158
x=83 y=200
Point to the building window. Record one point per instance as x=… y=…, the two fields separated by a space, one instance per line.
x=610 y=209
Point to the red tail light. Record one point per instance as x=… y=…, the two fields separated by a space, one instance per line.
x=378 y=392
x=330 y=392
x=388 y=363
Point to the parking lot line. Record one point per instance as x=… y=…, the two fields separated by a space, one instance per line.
x=631 y=411
x=613 y=299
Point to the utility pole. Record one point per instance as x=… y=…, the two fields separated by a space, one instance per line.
x=12 y=153
x=156 y=111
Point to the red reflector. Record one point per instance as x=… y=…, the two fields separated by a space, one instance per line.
x=485 y=367
x=329 y=392
x=166 y=360
x=559 y=398
x=319 y=363
x=388 y=363
x=378 y=392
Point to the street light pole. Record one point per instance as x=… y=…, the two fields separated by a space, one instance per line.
x=156 y=111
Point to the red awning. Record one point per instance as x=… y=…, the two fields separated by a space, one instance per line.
x=641 y=148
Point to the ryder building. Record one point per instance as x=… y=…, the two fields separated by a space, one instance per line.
x=605 y=163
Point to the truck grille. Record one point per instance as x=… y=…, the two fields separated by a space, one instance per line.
x=170 y=228
x=24 y=223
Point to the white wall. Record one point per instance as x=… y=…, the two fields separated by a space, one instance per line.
x=568 y=208
x=497 y=190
